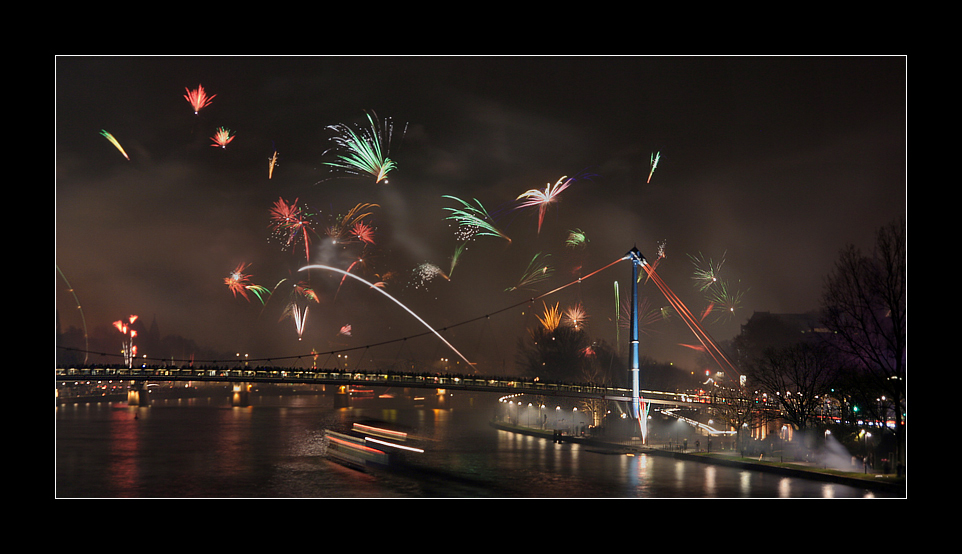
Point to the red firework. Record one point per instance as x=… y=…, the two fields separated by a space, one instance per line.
x=364 y=232
x=238 y=281
x=198 y=98
x=291 y=223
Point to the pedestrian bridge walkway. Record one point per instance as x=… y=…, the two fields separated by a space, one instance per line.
x=510 y=385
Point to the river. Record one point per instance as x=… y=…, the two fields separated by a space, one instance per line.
x=205 y=448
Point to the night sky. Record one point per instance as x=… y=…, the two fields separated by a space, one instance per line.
x=772 y=164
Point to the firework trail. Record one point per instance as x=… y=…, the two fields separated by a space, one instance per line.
x=198 y=98
x=542 y=199
x=83 y=319
x=661 y=254
x=456 y=257
x=708 y=309
x=345 y=330
x=113 y=141
x=346 y=272
x=654 y=163
x=474 y=217
x=408 y=310
x=617 y=314
x=536 y=272
x=272 y=163
x=222 y=138
x=364 y=151
x=552 y=317
x=291 y=223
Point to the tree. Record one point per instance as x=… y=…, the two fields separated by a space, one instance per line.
x=864 y=307
x=553 y=354
x=796 y=377
x=737 y=407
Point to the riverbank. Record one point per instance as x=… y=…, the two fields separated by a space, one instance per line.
x=889 y=483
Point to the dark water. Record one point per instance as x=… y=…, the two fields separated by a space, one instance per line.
x=204 y=448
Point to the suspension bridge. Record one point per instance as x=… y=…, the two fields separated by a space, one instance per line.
x=639 y=401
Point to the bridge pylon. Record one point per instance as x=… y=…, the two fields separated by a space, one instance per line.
x=637 y=260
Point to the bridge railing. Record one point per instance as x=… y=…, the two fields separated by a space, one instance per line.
x=388 y=379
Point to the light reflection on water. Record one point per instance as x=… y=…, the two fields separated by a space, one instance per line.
x=204 y=448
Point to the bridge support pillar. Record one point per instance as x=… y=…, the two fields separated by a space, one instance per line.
x=137 y=394
x=342 y=397
x=241 y=396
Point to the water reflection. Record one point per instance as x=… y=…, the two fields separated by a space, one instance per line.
x=710 y=490
x=204 y=448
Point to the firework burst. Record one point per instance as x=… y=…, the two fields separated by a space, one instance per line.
x=576 y=316
x=198 y=98
x=552 y=317
x=648 y=315
x=298 y=315
x=655 y=157
x=363 y=232
x=425 y=273
x=364 y=151
x=291 y=223
x=222 y=137
x=538 y=270
x=306 y=291
x=346 y=226
x=272 y=163
x=239 y=283
x=475 y=218
x=129 y=349
x=576 y=239
x=706 y=271
x=726 y=298
x=542 y=199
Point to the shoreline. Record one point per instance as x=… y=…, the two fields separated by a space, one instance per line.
x=872 y=481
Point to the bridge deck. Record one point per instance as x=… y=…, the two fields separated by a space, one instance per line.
x=505 y=385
